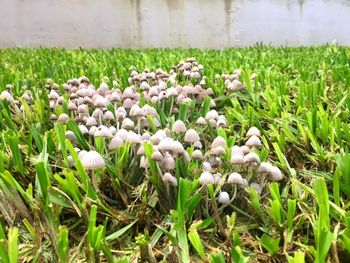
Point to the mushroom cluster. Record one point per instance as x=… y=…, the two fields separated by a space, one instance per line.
x=132 y=116
x=190 y=69
x=232 y=82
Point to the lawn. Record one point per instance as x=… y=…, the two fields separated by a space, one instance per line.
x=175 y=155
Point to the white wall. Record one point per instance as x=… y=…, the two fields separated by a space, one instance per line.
x=172 y=23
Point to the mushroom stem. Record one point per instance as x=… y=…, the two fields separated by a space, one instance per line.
x=100 y=118
x=171 y=106
x=250 y=173
x=115 y=112
x=94 y=181
x=138 y=125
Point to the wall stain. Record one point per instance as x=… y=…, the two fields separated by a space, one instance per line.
x=301 y=6
x=137 y=4
x=174 y=4
x=227 y=12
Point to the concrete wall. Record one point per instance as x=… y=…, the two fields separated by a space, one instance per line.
x=172 y=23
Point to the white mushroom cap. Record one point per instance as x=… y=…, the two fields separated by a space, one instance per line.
x=275 y=174
x=144 y=85
x=213 y=123
x=206 y=178
x=251 y=158
x=236 y=150
x=92 y=130
x=52 y=104
x=129 y=93
x=113 y=130
x=115 y=97
x=91 y=121
x=127 y=103
x=179 y=126
x=158 y=136
x=128 y=124
x=83 y=108
x=146 y=136
x=115 y=143
x=82 y=101
x=235 y=178
x=245 y=183
x=168 y=162
x=253 y=141
x=264 y=167
x=143 y=162
x=221 y=123
x=120 y=116
x=92 y=160
x=101 y=102
x=171 y=92
x=212 y=103
x=140 y=151
x=206 y=166
x=70 y=136
x=186 y=156
x=253 y=131
x=212 y=115
x=70 y=161
x=201 y=121
x=72 y=106
x=82 y=92
x=214 y=161
x=148 y=110
x=257 y=187
x=236 y=85
x=122 y=110
x=197 y=144
x=166 y=144
x=245 y=149
x=153 y=91
x=157 y=156
x=218 y=141
x=52 y=96
x=224 y=198
x=123 y=134
x=135 y=110
x=237 y=158
x=108 y=115
x=197 y=154
x=168 y=178
x=97 y=113
x=81 y=154
x=217 y=178
x=191 y=136
x=133 y=137
x=238 y=72
x=177 y=147
x=63 y=118
x=53 y=117
x=219 y=151
x=103 y=131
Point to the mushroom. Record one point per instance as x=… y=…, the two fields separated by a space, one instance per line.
x=191 y=136
x=63 y=118
x=179 y=127
x=253 y=131
x=206 y=178
x=224 y=198
x=253 y=141
x=92 y=160
x=197 y=155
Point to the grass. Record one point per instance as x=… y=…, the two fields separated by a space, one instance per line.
x=51 y=212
